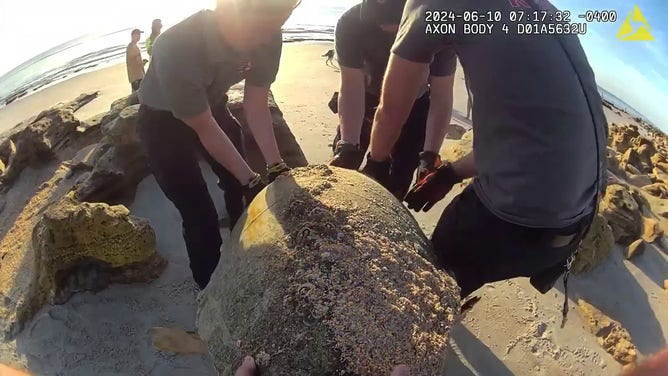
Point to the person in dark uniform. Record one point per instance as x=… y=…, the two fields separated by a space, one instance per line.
x=364 y=37
x=538 y=162
x=183 y=112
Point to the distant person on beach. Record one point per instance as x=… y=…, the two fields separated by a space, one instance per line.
x=134 y=61
x=538 y=162
x=156 y=28
x=184 y=111
x=363 y=40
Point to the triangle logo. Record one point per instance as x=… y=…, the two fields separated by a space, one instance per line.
x=628 y=33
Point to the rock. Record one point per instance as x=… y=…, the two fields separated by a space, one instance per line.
x=659 y=159
x=2 y=167
x=663 y=167
x=614 y=164
x=643 y=146
x=633 y=163
x=610 y=334
x=639 y=198
x=659 y=190
x=117 y=106
x=455 y=132
x=119 y=162
x=619 y=140
x=665 y=287
x=347 y=275
x=651 y=230
x=460 y=149
x=86 y=158
x=622 y=212
x=123 y=130
x=639 y=180
x=632 y=169
x=38 y=142
x=595 y=248
x=115 y=176
x=636 y=248
x=660 y=176
x=82 y=246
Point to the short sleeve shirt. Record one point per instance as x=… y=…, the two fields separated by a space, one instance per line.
x=539 y=125
x=367 y=47
x=192 y=67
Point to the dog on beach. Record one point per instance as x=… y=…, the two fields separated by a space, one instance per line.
x=330 y=57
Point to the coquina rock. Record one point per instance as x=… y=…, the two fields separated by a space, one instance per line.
x=328 y=274
x=84 y=246
x=611 y=335
x=39 y=140
x=119 y=162
x=623 y=214
x=596 y=246
x=460 y=149
x=57 y=246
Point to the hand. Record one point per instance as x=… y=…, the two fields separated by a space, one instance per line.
x=347 y=156
x=655 y=365
x=429 y=162
x=432 y=188
x=248 y=368
x=251 y=189
x=378 y=171
x=275 y=170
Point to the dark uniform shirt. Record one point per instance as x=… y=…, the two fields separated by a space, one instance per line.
x=537 y=117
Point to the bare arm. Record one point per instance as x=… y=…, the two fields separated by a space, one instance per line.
x=219 y=146
x=440 y=111
x=260 y=122
x=351 y=104
x=401 y=85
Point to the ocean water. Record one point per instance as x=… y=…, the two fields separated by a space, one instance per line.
x=313 y=20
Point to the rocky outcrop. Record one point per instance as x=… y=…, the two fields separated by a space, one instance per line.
x=41 y=139
x=651 y=230
x=83 y=246
x=117 y=106
x=659 y=190
x=348 y=276
x=118 y=163
x=622 y=212
x=639 y=180
x=610 y=334
x=595 y=248
x=635 y=249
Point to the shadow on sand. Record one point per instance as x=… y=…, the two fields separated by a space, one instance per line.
x=629 y=304
x=468 y=356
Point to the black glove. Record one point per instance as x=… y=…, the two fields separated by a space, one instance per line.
x=429 y=162
x=251 y=189
x=275 y=170
x=378 y=171
x=347 y=156
x=432 y=188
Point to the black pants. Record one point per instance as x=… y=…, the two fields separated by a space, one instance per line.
x=135 y=85
x=406 y=152
x=477 y=247
x=172 y=149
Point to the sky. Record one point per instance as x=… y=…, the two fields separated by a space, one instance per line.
x=636 y=72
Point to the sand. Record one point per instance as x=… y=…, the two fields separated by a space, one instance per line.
x=512 y=330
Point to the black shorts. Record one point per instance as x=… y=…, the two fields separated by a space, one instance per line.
x=477 y=247
x=135 y=84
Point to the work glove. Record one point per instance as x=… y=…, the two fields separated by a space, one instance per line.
x=378 y=171
x=432 y=188
x=251 y=189
x=429 y=162
x=347 y=155
x=275 y=170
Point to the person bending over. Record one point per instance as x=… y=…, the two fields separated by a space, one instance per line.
x=364 y=37
x=538 y=159
x=183 y=111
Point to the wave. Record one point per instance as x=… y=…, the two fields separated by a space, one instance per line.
x=93 y=52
